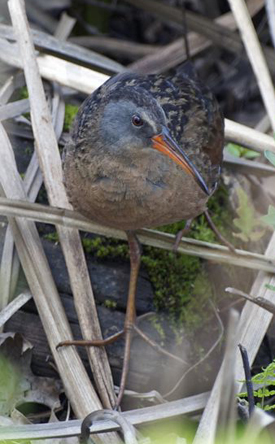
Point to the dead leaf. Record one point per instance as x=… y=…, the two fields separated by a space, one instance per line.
x=251 y=228
x=269 y=218
x=18 y=385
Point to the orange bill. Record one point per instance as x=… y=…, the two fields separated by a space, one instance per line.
x=164 y=143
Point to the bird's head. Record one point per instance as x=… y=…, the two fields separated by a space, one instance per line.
x=136 y=122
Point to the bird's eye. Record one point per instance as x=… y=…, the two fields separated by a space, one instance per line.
x=137 y=120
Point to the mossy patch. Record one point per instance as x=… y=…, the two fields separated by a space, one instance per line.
x=172 y=276
x=108 y=303
x=103 y=248
x=23 y=93
x=70 y=113
x=53 y=236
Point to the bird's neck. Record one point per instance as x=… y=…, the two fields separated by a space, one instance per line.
x=143 y=163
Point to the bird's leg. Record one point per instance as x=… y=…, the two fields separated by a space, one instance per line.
x=135 y=257
x=130 y=320
x=217 y=233
x=187 y=227
x=95 y=342
x=181 y=233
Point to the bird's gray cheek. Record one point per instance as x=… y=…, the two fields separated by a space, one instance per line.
x=108 y=134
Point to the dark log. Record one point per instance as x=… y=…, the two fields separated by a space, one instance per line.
x=109 y=280
x=149 y=369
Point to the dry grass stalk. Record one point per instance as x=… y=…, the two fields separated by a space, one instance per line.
x=261 y=302
x=9 y=268
x=56 y=46
x=14 y=109
x=174 y=53
x=263 y=125
x=227 y=409
x=14 y=306
x=256 y=57
x=9 y=271
x=12 y=83
x=220 y=400
x=43 y=288
x=253 y=325
x=64 y=27
x=71 y=219
x=267 y=141
x=9 y=262
x=41 y=126
x=254 y=320
x=219 y=35
x=86 y=81
x=50 y=164
x=146 y=415
x=270 y=11
x=33 y=179
x=55 y=69
x=116 y=47
x=246 y=166
x=248 y=137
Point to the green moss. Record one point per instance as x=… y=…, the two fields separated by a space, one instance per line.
x=53 y=237
x=23 y=93
x=172 y=276
x=70 y=113
x=103 y=248
x=110 y=304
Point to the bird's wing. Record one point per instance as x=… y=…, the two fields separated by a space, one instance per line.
x=194 y=118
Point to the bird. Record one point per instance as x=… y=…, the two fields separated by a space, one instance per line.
x=145 y=150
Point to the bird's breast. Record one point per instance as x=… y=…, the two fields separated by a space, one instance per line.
x=149 y=191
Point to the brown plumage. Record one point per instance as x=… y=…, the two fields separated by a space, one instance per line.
x=144 y=151
x=129 y=185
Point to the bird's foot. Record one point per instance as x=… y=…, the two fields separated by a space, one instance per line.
x=115 y=337
x=182 y=233
x=92 y=342
x=103 y=343
x=217 y=232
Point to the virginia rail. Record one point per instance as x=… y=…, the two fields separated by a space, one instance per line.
x=144 y=151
